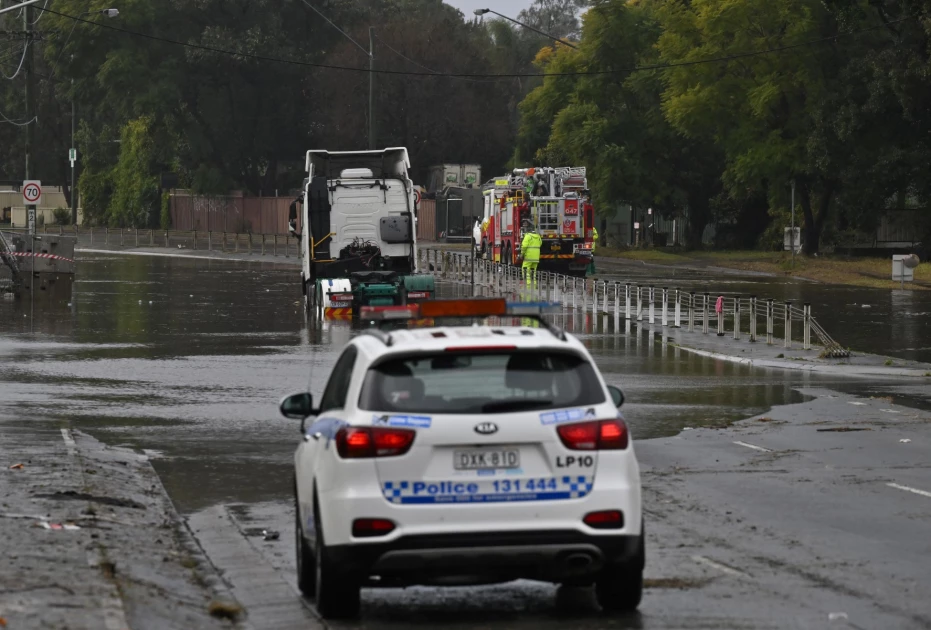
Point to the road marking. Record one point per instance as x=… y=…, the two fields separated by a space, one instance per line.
x=923 y=493
x=720 y=567
x=756 y=448
x=69 y=441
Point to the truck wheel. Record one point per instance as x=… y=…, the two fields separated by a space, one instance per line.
x=619 y=587
x=337 y=594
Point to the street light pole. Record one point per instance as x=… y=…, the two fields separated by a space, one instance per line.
x=30 y=109
x=792 y=229
x=74 y=196
x=372 y=88
x=481 y=12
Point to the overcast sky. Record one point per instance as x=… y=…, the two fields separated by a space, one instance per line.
x=509 y=8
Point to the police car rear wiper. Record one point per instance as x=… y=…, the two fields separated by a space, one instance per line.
x=514 y=405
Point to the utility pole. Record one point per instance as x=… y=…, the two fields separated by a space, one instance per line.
x=792 y=230
x=372 y=87
x=30 y=107
x=74 y=194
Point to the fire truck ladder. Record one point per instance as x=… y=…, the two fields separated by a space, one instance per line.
x=8 y=259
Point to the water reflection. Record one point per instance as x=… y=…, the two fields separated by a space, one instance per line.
x=188 y=359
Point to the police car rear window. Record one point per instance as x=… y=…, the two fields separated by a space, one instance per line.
x=469 y=383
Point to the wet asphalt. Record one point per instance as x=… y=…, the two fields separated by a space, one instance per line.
x=186 y=360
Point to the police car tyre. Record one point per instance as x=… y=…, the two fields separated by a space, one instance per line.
x=619 y=587
x=337 y=595
x=306 y=564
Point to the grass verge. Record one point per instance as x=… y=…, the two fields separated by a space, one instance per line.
x=861 y=272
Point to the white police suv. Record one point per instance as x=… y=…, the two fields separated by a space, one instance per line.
x=457 y=455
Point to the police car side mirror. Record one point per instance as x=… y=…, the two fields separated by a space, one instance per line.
x=297 y=406
x=617 y=396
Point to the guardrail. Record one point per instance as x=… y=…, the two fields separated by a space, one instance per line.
x=228 y=242
x=664 y=306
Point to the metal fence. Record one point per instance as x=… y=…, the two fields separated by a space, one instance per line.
x=782 y=322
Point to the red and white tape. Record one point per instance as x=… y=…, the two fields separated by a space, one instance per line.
x=49 y=256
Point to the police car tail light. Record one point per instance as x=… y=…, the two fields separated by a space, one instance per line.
x=598 y=435
x=369 y=527
x=606 y=519
x=366 y=442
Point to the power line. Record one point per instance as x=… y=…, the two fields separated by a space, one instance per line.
x=345 y=34
x=20 y=67
x=18 y=124
x=323 y=66
x=432 y=71
x=35 y=21
x=408 y=59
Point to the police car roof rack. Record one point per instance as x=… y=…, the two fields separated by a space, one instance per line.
x=459 y=308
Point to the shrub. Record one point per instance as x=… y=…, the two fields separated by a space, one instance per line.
x=62 y=216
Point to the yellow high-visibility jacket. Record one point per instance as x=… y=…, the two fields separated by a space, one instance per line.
x=530 y=247
x=594 y=239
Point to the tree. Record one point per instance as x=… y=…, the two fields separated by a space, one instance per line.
x=439 y=119
x=774 y=115
x=608 y=118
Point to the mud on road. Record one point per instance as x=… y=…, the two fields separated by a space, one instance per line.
x=91 y=540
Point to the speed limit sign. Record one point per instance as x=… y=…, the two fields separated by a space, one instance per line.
x=32 y=192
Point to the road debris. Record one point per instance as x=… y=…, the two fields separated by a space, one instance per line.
x=58 y=526
x=843 y=429
x=270 y=534
x=905 y=440
x=71 y=495
x=17 y=466
x=837 y=616
x=225 y=610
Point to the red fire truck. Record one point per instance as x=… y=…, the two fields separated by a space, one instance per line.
x=558 y=204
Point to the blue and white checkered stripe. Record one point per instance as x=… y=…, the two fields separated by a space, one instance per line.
x=488 y=490
x=393 y=490
x=578 y=486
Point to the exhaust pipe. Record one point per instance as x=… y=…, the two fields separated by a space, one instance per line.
x=578 y=561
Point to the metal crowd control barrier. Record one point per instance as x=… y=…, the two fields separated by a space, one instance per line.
x=596 y=297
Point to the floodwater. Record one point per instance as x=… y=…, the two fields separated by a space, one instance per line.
x=893 y=323
x=187 y=360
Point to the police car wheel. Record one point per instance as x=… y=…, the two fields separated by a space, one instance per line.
x=337 y=595
x=306 y=566
x=619 y=588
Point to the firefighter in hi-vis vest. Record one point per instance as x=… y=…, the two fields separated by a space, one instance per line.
x=530 y=251
x=591 y=266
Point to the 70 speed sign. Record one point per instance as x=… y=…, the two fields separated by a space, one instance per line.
x=32 y=192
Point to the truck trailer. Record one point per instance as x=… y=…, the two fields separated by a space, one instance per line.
x=358 y=238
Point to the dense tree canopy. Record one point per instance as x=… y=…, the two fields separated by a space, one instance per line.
x=220 y=121
x=713 y=107
x=706 y=109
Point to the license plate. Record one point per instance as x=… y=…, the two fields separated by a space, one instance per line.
x=486 y=459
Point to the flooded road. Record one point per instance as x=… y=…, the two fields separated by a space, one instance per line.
x=187 y=359
x=892 y=323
